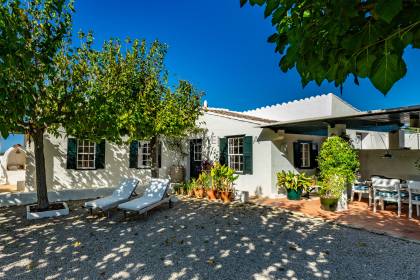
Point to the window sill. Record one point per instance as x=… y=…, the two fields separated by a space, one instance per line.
x=86 y=169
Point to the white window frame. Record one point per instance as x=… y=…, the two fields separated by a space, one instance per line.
x=80 y=155
x=235 y=157
x=305 y=155
x=140 y=154
x=197 y=151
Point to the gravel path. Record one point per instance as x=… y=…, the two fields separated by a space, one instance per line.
x=197 y=240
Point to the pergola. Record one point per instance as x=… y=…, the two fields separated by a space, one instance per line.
x=387 y=120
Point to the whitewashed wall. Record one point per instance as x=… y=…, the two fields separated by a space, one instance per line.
x=400 y=165
x=370 y=140
x=271 y=152
x=259 y=182
x=116 y=167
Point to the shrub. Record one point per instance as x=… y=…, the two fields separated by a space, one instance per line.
x=337 y=157
x=333 y=186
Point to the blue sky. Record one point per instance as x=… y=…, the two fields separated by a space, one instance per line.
x=222 y=49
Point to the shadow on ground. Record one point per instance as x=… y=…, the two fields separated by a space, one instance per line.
x=197 y=240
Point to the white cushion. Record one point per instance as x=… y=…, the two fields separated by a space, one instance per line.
x=105 y=202
x=120 y=195
x=386 y=184
x=157 y=189
x=138 y=203
x=126 y=188
x=153 y=194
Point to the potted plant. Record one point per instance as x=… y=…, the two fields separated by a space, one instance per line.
x=206 y=182
x=332 y=188
x=189 y=189
x=216 y=181
x=203 y=184
x=294 y=183
x=225 y=177
x=337 y=157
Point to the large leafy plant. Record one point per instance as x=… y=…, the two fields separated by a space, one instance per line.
x=337 y=157
x=293 y=181
x=332 y=40
x=223 y=177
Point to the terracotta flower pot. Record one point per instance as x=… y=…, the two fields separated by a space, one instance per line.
x=226 y=196
x=211 y=194
x=199 y=193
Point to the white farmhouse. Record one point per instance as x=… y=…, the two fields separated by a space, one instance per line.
x=256 y=143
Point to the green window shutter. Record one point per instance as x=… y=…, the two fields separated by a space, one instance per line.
x=134 y=151
x=297 y=154
x=71 y=153
x=223 y=146
x=248 y=155
x=100 y=155
x=159 y=154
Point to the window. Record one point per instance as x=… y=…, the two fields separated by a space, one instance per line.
x=306 y=155
x=144 y=154
x=197 y=151
x=86 y=151
x=236 y=153
x=357 y=143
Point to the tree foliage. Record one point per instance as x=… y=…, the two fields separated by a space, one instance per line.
x=47 y=84
x=337 y=157
x=332 y=40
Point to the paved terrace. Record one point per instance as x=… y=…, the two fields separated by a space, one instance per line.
x=359 y=216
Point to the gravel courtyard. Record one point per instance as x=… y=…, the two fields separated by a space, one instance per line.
x=197 y=240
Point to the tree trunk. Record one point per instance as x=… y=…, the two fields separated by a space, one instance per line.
x=153 y=154
x=41 y=182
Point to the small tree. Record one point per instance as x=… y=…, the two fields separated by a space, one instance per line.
x=157 y=109
x=338 y=164
x=45 y=84
x=34 y=92
x=338 y=157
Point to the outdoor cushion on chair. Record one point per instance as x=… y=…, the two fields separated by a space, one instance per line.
x=391 y=194
x=360 y=188
x=123 y=193
x=153 y=196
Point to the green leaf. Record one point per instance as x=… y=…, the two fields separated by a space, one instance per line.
x=271 y=6
x=387 y=71
x=273 y=38
x=388 y=9
x=416 y=39
x=364 y=65
x=243 y=2
x=258 y=2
